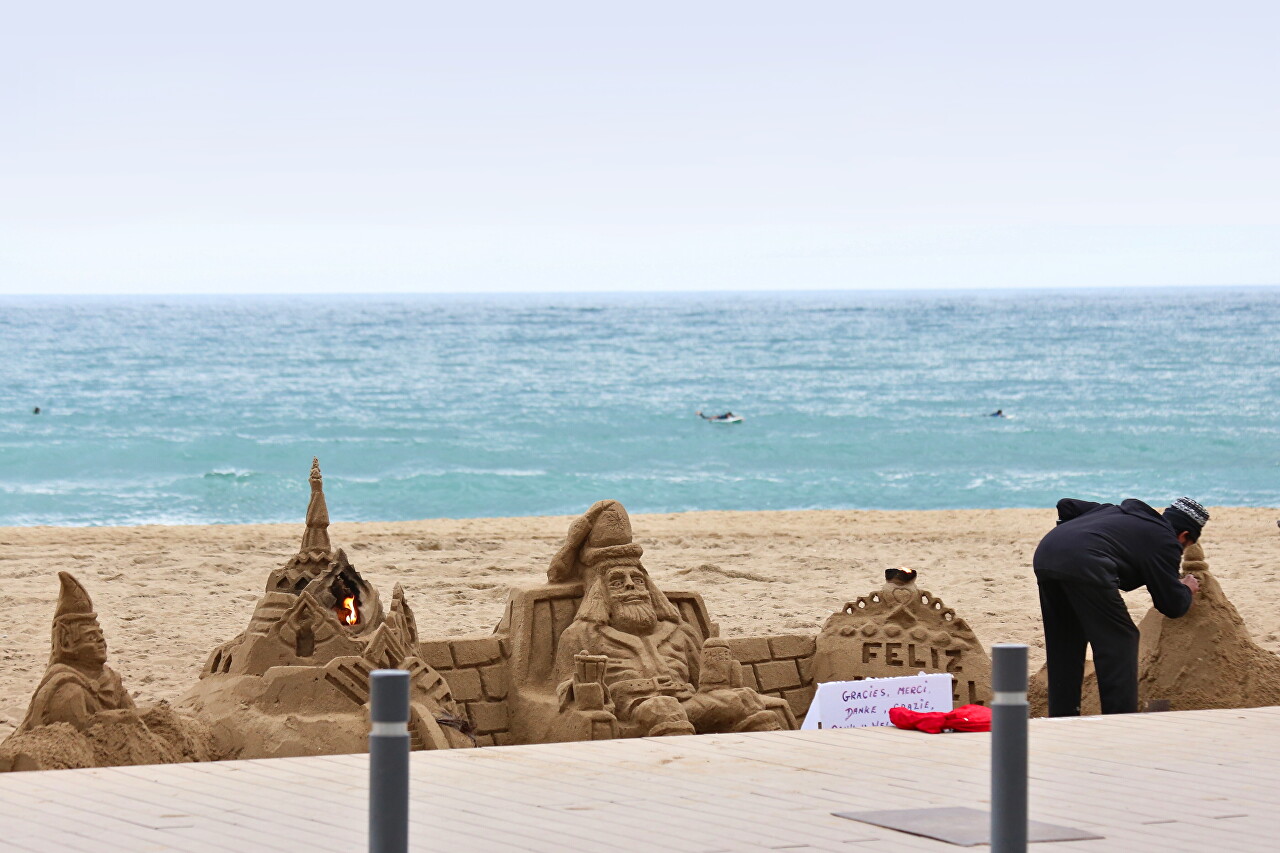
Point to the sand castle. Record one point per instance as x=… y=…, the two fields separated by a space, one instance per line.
x=900 y=630
x=296 y=681
x=1204 y=659
x=81 y=715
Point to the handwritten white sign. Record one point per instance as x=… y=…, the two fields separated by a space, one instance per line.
x=854 y=704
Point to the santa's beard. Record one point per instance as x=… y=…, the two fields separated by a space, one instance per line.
x=636 y=617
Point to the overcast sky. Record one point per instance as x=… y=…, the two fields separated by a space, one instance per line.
x=459 y=147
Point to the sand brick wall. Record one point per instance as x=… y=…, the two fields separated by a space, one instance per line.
x=476 y=669
x=779 y=665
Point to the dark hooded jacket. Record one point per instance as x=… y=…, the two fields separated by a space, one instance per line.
x=1123 y=547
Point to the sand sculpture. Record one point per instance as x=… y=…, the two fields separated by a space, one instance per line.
x=81 y=715
x=613 y=656
x=1204 y=659
x=296 y=681
x=900 y=630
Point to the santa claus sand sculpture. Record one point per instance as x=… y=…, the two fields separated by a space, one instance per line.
x=82 y=716
x=900 y=630
x=630 y=653
x=296 y=682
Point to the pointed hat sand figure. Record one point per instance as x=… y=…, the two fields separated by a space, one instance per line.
x=78 y=683
x=74 y=619
x=81 y=715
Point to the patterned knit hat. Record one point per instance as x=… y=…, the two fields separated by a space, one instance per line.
x=1185 y=509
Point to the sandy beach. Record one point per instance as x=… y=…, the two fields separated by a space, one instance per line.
x=167 y=595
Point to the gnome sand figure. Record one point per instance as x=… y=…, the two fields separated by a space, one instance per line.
x=81 y=715
x=629 y=648
x=78 y=682
x=901 y=630
x=296 y=682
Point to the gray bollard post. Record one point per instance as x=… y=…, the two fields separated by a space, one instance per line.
x=1008 y=748
x=389 y=761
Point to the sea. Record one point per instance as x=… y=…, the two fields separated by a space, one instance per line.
x=189 y=410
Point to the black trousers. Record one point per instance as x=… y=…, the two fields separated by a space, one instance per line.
x=1077 y=614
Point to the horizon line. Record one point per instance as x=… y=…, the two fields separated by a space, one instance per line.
x=640 y=292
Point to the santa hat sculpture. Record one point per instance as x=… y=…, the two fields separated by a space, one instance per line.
x=598 y=540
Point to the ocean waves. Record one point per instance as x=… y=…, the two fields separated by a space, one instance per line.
x=209 y=410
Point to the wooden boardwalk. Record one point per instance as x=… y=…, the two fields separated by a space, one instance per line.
x=1202 y=780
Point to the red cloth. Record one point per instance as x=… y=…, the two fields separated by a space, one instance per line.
x=970 y=718
x=925 y=721
x=966 y=718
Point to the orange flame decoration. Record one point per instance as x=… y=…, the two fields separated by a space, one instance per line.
x=352 y=615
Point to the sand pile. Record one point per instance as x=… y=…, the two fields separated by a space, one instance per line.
x=1206 y=659
x=1201 y=660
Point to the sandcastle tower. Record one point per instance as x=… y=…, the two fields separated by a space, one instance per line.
x=320 y=572
x=1206 y=658
x=316 y=590
x=81 y=715
x=900 y=630
x=296 y=681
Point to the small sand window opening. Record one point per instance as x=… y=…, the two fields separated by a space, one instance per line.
x=347 y=599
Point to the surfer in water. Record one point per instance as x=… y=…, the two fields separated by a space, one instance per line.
x=998 y=413
x=727 y=416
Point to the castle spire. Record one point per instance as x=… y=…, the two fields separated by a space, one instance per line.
x=316 y=537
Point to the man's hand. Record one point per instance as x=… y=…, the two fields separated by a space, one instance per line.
x=1191 y=583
